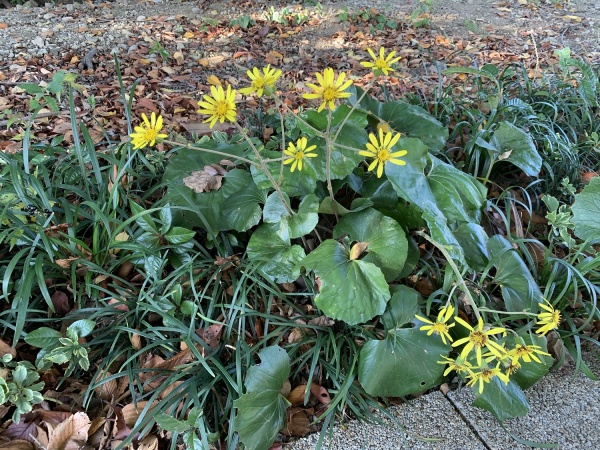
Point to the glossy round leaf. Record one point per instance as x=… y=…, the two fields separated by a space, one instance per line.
x=386 y=241
x=351 y=290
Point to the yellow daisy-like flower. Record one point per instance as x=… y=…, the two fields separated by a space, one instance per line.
x=260 y=82
x=527 y=353
x=459 y=365
x=298 y=152
x=440 y=326
x=220 y=106
x=148 y=132
x=549 y=319
x=329 y=89
x=381 y=64
x=485 y=375
x=479 y=339
x=381 y=150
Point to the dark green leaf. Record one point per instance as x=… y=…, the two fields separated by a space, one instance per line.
x=586 y=212
x=385 y=239
x=300 y=223
x=351 y=290
x=242 y=208
x=179 y=235
x=404 y=363
x=43 y=337
x=503 y=401
x=83 y=327
x=261 y=410
x=519 y=289
x=517 y=146
x=401 y=308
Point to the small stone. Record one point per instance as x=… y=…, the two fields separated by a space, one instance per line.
x=140 y=18
x=49 y=16
x=70 y=7
x=67 y=19
x=39 y=41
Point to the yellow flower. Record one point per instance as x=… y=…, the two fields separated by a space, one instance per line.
x=381 y=63
x=219 y=106
x=459 y=365
x=485 y=375
x=525 y=352
x=261 y=81
x=381 y=151
x=478 y=339
x=440 y=326
x=330 y=89
x=298 y=152
x=549 y=319
x=148 y=133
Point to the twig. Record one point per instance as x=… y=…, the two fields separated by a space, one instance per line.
x=31 y=116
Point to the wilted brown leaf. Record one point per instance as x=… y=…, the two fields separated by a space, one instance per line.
x=60 y=300
x=205 y=180
x=6 y=349
x=18 y=445
x=320 y=393
x=297 y=423
x=72 y=434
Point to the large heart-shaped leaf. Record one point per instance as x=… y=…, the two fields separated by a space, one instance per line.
x=516 y=146
x=519 y=289
x=504 y=401
x=383 y=239
x=351 y=290
x=261 y=410
x=404 y=363
x=586 y=212
x=270 y=247
x=401 y=308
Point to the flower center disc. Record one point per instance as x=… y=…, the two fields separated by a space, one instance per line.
x=150 y=134
x=222 y=108
x=383 y=155
x=329 y=93
x=299 y=155
x=478 y=338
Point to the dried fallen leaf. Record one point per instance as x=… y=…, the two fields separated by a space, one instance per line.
x=72 y=434
x=60 y=300
x=212 y=79
x=205 y=180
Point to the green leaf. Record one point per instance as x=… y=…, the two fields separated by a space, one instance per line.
x=351 y=290
x=279 y=260
x=516 y=146
x=503 y=401
x=473 y=240
x=401 y=308
x=586 y=212
x=404 y=363
x=169 y=423
x=166 y=218
x=262 y=409
x=410 y=120
x=179 y=235
x=43 y=337
x=82 y=327
x=242 y=209
x=31 y=88
x=519 y=289
x=297 y=225
x=385 y=239
x=143 y=218
x=457 y=194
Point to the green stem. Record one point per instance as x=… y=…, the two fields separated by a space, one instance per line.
x=454 y=267
x=214 y=152
x=328 y=147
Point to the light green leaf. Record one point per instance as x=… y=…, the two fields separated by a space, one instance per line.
x=519 y=289
x=179 y=235
x=404 y=363
x=279 y=260
x=503 y=401
x=586 y=212
x=516 y=146
x=351 y=290
x=43 y=337
x=166 y=218
x=261 y=410
x=82 y=327
x=143 y=218
x=297 y=225
x=385 y=239
x=169 y=423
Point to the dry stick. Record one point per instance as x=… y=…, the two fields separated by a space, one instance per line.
x=454 y=268
x=32 y=116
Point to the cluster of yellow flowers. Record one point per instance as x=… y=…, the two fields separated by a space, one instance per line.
x=220 y=106
x=482 y=338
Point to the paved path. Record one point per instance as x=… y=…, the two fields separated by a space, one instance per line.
x=565 y=410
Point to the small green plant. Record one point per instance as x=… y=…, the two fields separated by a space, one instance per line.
x=19 y=386
x=59 y=349
x=244 y=22
x=193 y=430
x=157 y=48
x=420 y=16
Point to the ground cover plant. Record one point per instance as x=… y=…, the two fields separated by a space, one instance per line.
x=263 y=281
